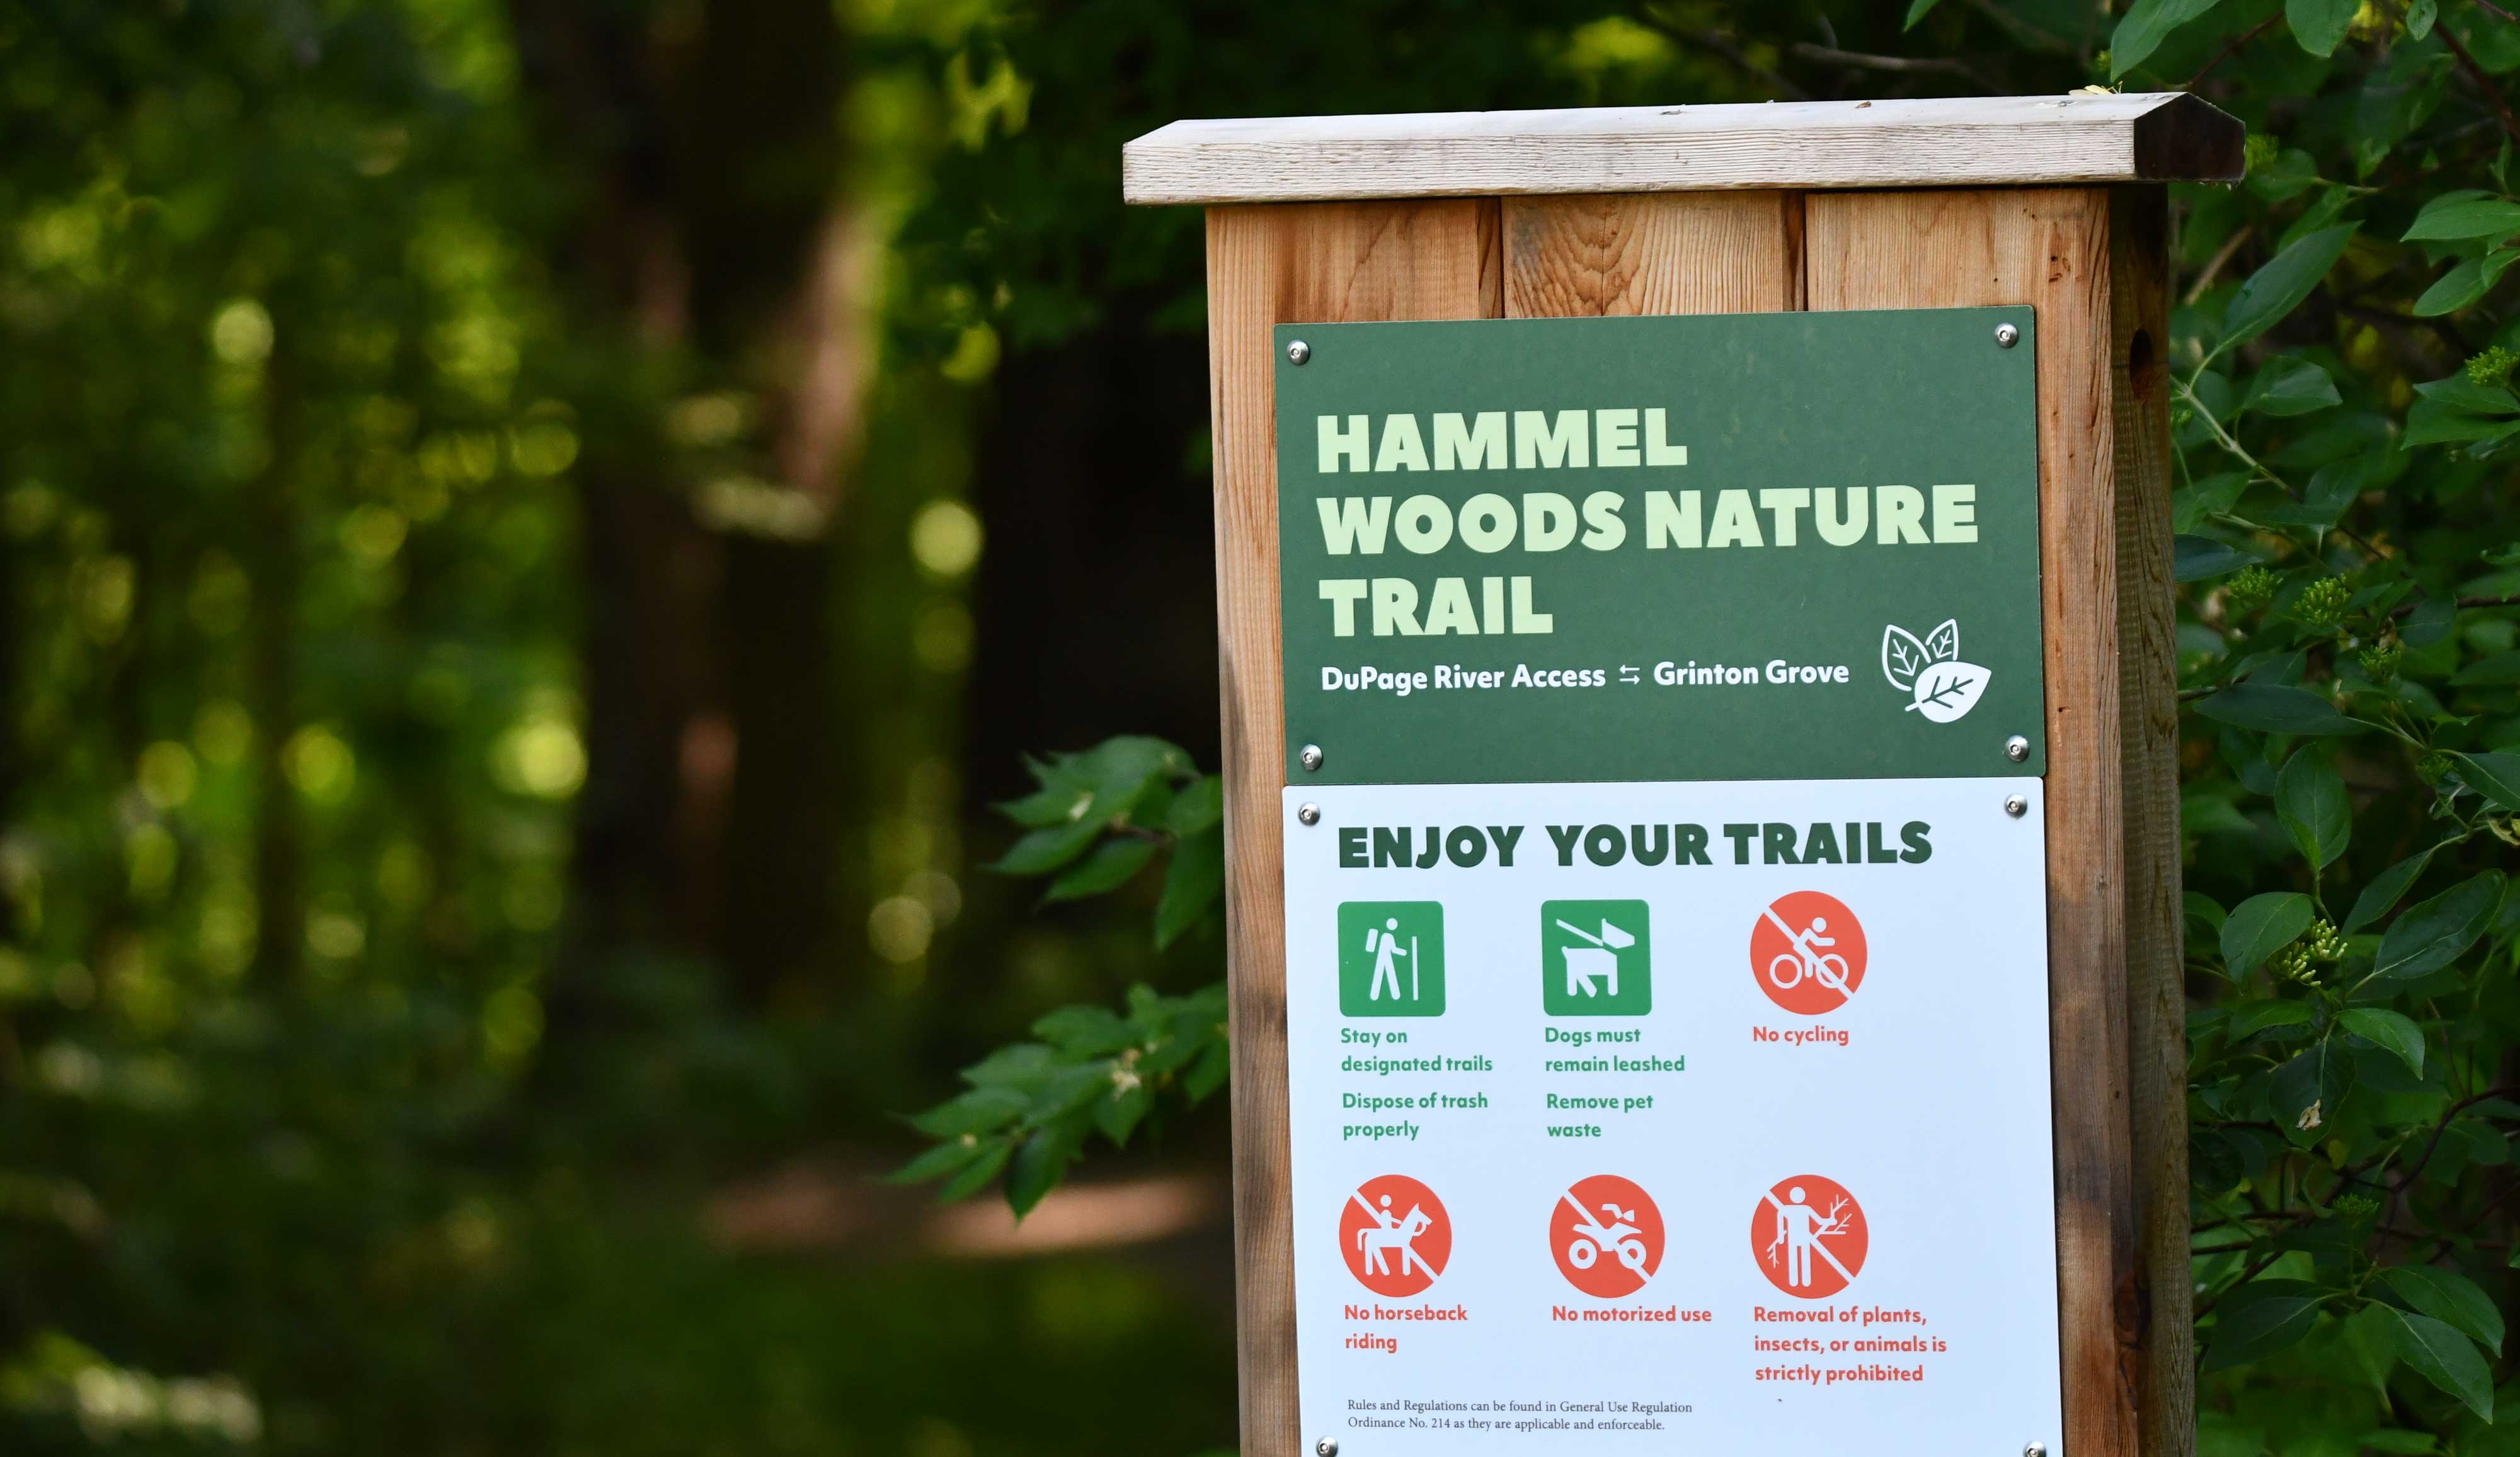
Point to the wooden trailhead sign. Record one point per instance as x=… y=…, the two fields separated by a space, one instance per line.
x=1703 y=860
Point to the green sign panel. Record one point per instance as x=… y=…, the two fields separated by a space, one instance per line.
x=1391 y=958
x=1751 y=545
x=1596 y=958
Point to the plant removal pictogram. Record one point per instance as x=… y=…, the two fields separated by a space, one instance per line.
x=1810 y=1237
x=1929 y=670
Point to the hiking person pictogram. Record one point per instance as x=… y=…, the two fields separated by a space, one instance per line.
x=1382 y=942
x=1809 y=1236
x=1808 y=952
x=1606 y=1235
x=1395 y=1235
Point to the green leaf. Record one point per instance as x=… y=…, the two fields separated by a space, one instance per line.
x=2306 y=1092
x=2254 y=1017
x=2495 y=775
x=2278 y=288
x=2318 y=25
x=2420 y=24
x=1191 y=884
x=2146 y=24
x=1046 y=850
x=2384 y=890
x=2394 y=1031
x=2446 y=1360
x=2452 y=1297
x=2482 y=217
x=938 y=1161
x=1106 y=869
x=2432 y=934
x=1085 y=1031
x=2311 y=805
x=2494 y=670
x=2275 y=708
x=2453 y=290
x=977 y=1174
x=2193 y=559
x=1917 y=12
x=1199 y=805
x=979 y=1111
x=2291 y=386
x=1037 y=1166
x=2259 y=1329
x=2261 y=925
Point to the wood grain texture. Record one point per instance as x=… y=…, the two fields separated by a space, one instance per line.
x=1934 y=142
x=1609 y=254
x=1317 y=263
x=2050 y=249
x=2159 y=1301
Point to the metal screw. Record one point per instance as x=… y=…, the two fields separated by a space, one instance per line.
x=2016 y=748
x=2005 y=336
x=1310 y=814
x=1309 y=756
x=2034 y=1449
x=1328 y=1446
x=2013 y=805
x=1297 y=351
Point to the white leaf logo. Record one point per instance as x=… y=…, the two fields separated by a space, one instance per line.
x=1943 y=644
x=1903 y=657
x=1947 y=691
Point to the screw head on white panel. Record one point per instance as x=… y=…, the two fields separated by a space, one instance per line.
x=2014 y=805
x=2034 y=1449
x=1297 y=351
x=1310 y=814
x=1328 y=1446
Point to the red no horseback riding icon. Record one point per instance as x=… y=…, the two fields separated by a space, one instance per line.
x=1807 y=953
x=1395 y=1235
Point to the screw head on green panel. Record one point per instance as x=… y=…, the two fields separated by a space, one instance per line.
x=1297 y=351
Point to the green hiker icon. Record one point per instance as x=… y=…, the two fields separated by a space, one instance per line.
x=1391 y=958
x=1595 y=958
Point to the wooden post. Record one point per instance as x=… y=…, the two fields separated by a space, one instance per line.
x=2056 y=202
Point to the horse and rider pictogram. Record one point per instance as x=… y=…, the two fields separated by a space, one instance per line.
x=1395 y=1235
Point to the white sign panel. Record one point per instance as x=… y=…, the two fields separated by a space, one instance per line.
x=1672 y=1117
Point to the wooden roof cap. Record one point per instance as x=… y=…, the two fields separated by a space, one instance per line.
x=1993 y=140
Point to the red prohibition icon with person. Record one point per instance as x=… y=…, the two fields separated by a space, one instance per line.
x=1395 y=1235
x=1810 y=1236
x=1606 y=1235
x=1807 y=953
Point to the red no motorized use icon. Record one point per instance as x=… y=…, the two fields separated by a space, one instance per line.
x=1606 y=1235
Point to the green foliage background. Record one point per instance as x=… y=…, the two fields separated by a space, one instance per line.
x=355 y=1096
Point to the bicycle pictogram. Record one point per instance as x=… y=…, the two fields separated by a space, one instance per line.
x=1807 y=953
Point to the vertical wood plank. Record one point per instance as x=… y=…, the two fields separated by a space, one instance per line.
x=1601 y=256
x=2159 y=1302
x=1290 y=263
x=2050 y=249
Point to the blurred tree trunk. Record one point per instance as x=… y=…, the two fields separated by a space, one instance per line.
x=702 y=144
